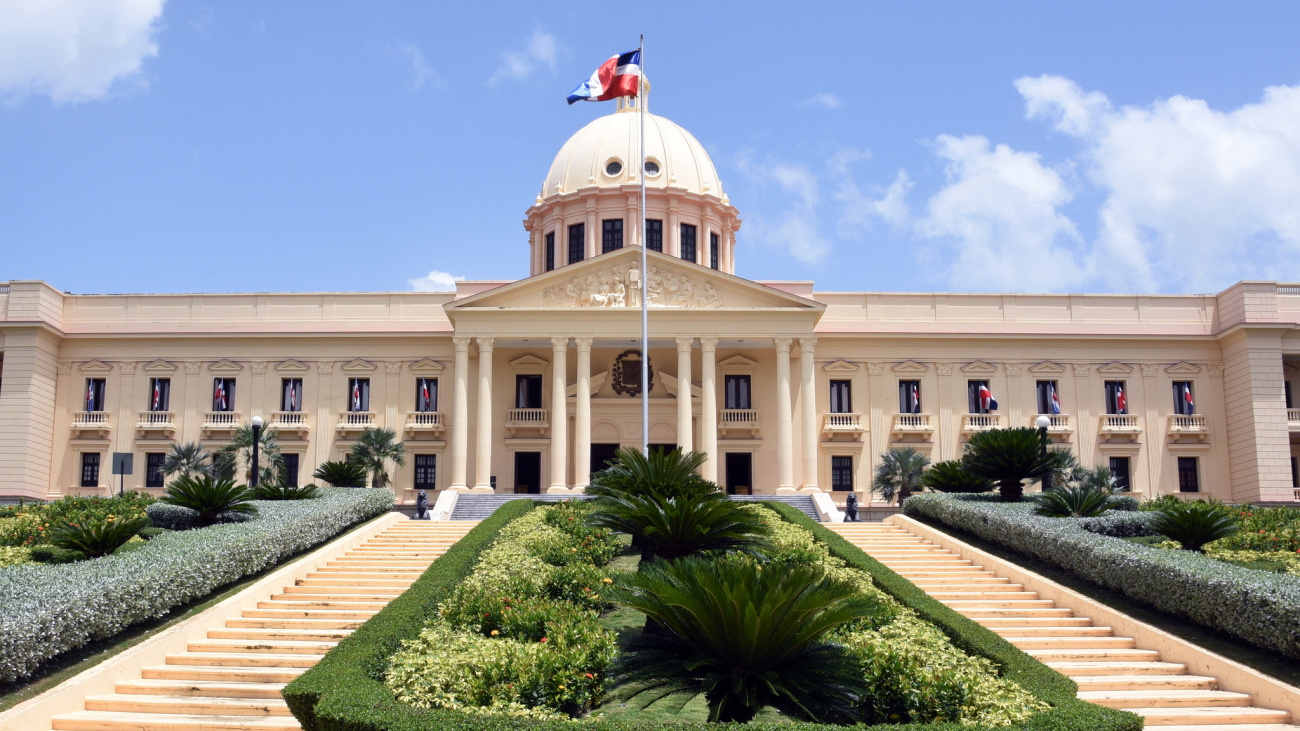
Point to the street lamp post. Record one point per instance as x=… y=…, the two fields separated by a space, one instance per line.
x=1042 y=422
x=257 y=440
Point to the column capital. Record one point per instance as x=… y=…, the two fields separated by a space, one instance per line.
x=807 y=344
x=485 y=344
x=583 y=344
x=128 y=367
x=393 y=367
x=709 y=345
x=783 y=344
x=192 y=367
x=559 y=344
x=461 y=343
x=685 y=344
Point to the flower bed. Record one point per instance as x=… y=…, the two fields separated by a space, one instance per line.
x=52 y=609
x=29 y=525
x=1259 y=607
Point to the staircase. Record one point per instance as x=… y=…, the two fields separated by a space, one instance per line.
x=478 y=506
x=802 y=503
x=232 y=680
x=1110 y=671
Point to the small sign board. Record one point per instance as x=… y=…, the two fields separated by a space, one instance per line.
x=122 y=463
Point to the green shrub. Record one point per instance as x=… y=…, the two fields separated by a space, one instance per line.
x=1264 y=529
x=341 y=474
x=151 y=532
x=952 y=476
x=14 y=555
x=661 y=474
x=1194 y=524
x=209 y=497
x=96 y=538
x=670 y=527
x=1073 y=502
x=31 y=524
x=1009 y=457
x=276 y=491
x=50 y=554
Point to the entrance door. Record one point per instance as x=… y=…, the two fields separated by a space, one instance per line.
x=528 y=472
x=740 y=472
x=600 y=454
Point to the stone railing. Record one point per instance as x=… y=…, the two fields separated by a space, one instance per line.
x=1188 y=424
x=355 y=421
x=418 y=422
x=527 y=419
x=979 y=422
x=843 y=424
x=291 y=421
x=95 y=422
x=220 y=421
x=912 y=424
x=1058 y=423
x=738 y=420
x=1120 y=425
x=1293 y=419
x=159 y=421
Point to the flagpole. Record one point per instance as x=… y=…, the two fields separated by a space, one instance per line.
x=645 y=272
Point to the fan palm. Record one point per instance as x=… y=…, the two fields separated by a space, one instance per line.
x=240 y=452
x=673 y=527
x=1194 y=524
x=1008 y=457
x=374 y=449
x=187 y=459
x=952 y=476
x=665 y=474
x=209 y=497
x=341 y=474
x=1100 y=478
x=899 y=473
x=743 y=637
x=1073 y=502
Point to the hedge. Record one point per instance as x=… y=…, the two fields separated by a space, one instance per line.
x=345 y=690
x=1255 y=606
x=51 y=609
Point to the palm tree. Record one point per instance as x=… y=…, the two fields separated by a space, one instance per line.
x=1100 y=478
x=1073 y=502
x=743 y=637
x=1008 y=457
x=374 y=449
x=673 y=527
x=899 y=473
x=1194 y=524
x=341 y=474
x=187 y=459
x=209 y=497
x=952 y=476
x=240 y=451
x=666 y=474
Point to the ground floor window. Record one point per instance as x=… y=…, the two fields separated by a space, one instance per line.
x=426 y=471
x=1119 y=470
x=841 y=473
x=153 y=469
x=1295 y=472
x=1188 y=480
x=90 y=469
x=289 y=476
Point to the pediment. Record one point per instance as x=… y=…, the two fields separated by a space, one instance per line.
x=670 y=384
x=840 y=368
x=737 y=364
x=1047 y=367
x=1115 y=368
x=292 y=366
x=158 y=366
x=597 y=381
x=426 y=367
x=910 y=367
x=225 y=366
x=979 y=367
x=612 y=282
x=358 y=366
x=529 y=364
x=95 y=366
x=1183 y=368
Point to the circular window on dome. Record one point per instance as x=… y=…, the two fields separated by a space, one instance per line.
x=651 y=168
x=613 y=168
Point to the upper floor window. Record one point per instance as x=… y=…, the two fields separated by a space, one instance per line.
x=611 y=235
x=577 y=242
x=1116 y=399
x=358 y=394
x=736 y=392
x=654 y=234
x=1183 y=402
x=223 y=394
x=713 y=251
x=291 y=394
x=528 y=391
x=426 y=395
x=90 y=469
x=1049 y=401
x=94 y=394
x=153 y=470
x=160 y=394
x=979 y=398
x=909 y=397
x=550 y=251
x=688 y=242
x=841 y=397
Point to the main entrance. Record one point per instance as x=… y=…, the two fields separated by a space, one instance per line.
x=600 y=454
x=528 y=472
x=740 y=473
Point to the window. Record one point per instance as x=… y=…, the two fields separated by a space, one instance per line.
x=550 y=251
x=1119 y=470
x=1295 y=472
x=841 y=473
x=577 y=242
x=90 y=469
x=613 y=168
x=909 y=397
x=1188 y=480
x=688 y=242
x=611 y=235
x=153 y=469
x=1049 y=398
x=713 y=251
x=976 y=403
x=528 y=392
x=1183 y=402
x=654 y=234
x=358 y=394
x=1116 y=399
x=426 y=395
x=426 y=471
x=94 y=394
x=736 y=392
x=651 y=168
x=841 y=397
x=289 y=473
x=291 y=394
x=223 y=394
x=160 y=394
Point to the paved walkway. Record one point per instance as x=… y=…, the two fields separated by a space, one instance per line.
x=1111 y=671
x=232 y=680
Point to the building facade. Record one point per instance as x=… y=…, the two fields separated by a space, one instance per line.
x=530 y=385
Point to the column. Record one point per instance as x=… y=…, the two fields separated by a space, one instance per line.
x=709 y=407
x=784 y=427
x=483 y=444
x=673 y=236
x=631 y=225
x=582 y=420
x=808 y=400
x=593 y=230
x=728 y=243
x=27 y=414
x=684 y=440
x=559 y=414
x=1258 y=438
x=460 y=416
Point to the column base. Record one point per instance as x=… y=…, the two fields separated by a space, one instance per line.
x=564 y=490
x=787 y=491
x=482 y=490
x=459 y=488
x=811 y=488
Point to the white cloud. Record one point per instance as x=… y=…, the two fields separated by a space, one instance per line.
x=1072 y=110
x=421 y=72
x=542 y=50
x=73 y=50
x=435 y=281
x=796 y=229
x=824 y=100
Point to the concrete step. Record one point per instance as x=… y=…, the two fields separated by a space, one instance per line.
x=114 y=721
x=982 y=594
x=262 y=635
x=1003 y=612
x=188 y=705
x=1039 y=631
x=1092 y=668
x=218 y=674
x=211 y=689
x=340 y=614
x=1079 y=654
x=1082 y=643
x=1160 y=698
x=960 y=604
x=314 y=623
x=302 y=604
x=1145 y=682
x=1207 y=716
x=357 y=581
x=244 y=659
x=277 y=647
x=1033 y=621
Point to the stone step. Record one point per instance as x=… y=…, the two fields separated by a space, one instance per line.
x=1080 y=654
x=277 y=647
x=1082 y=643
x=962 y=580
x=114 y=721
x=313 y=623
x=1005 y=612
x=188 y=705
x=357 y=581
x=1207 y=716
x=342 y=614
x=960 y=604
x=955 y=575
x=1033 y=621
x=219 y=674
x=1159 y=698
x=302 y=635
x=983 y=594
x=1076 y=668
x=305 y=604
x=1145 y=682
x=1038 y=631
x=365 y=574
x=244 y=659
x=210 y=689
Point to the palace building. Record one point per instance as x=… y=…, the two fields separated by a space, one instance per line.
x=530 y=385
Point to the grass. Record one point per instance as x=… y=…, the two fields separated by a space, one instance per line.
x=77 y=661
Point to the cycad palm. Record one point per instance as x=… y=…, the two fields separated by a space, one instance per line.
x=952 y=476
x=374 y=449
x=187 y=459
x=665 y=474
x=673 y=527
x=1008 y=457
x=899 y=473
x=240 y=452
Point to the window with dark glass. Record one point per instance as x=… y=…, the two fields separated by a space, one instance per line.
x=841 y=473
x=1184 y=402
x=1119 y=470
x=841 y=397
x=713 y=251
x=528 y=392
x=654 y=234
x=1116 y=397
x=153 y=469
x=426 y=471
x=223 y=394
x=358 y=394
x=160 y=394
x=289 y=472
x=1295 y=472
x=90 y=469
x=909 y=397
x=736 y=392
x=577 y=242
x=291 y=394
x=688 y=242
x=1046 y=404
x=611 y=235
x=426 y=395
x=94 y=394
x=1188 y=480
x=974 y=403
x=550 y=251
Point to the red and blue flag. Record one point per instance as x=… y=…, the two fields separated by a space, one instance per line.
x=616 y=77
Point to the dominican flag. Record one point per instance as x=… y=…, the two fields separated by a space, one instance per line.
x=293 y=397
x=616 y=77
x=424 y=393
x=356 y=395
x=90 y=395
x=916 y=399
x=1187 y=400
x=219 y=398
x=1121 y=402
x=157 y=395
x=1056 y=402
x=987 y=402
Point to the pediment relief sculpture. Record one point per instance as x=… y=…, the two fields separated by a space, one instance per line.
x=620 y=287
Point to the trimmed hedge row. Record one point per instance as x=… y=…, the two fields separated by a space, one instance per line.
x=1259 y=607
x=345 y=690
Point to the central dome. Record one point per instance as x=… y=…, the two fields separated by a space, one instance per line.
x=603 y=155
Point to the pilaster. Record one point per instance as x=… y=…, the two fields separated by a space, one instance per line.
x=709 y=407
x=784 y=418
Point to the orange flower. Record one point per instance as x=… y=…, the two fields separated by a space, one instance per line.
x=543 y=639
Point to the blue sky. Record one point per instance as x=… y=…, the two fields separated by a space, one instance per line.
x=300 y=146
